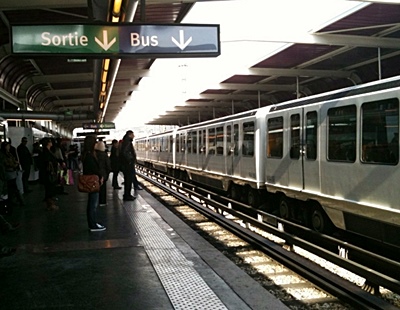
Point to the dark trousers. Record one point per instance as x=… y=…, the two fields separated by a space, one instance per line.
x=91 y=209
x=134 y=179
x=128 y=175
x=25 y=178
x=115 y=179
x=103 y=193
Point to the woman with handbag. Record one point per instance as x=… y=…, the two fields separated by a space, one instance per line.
x=11 y=166
x=91 y=167
x=48 y=174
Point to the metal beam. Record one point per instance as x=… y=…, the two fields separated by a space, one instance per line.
x=25 y=115
x=63 y=78
x=296 y=72
x=328 y=39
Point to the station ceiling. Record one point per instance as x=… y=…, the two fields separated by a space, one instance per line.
x=361 y=47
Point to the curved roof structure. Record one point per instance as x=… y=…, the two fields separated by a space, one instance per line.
x=360 y=47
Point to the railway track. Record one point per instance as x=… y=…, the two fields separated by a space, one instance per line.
x=261 y=238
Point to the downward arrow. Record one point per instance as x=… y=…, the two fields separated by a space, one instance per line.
x=182 y=44
x=105 y=45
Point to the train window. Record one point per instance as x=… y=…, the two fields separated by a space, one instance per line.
x=342 y=127
x=194 y=142
x=248 y=139
x=275 y=137
x=189 y=142
x=220 y=141
x=170 y=144
x=236 y=139
x=295 y=136
x=164 y=144
x=229 y=140
x=380 y=132
x=177 y=144
x=202 y=141
x=311 y=135
x=211 y=141
x=183 y=141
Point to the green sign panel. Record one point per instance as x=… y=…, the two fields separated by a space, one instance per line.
x=176 y=40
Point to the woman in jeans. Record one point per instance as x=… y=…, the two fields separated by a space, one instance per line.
x=91 y=166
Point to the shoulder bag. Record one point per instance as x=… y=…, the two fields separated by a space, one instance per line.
x=88 y=183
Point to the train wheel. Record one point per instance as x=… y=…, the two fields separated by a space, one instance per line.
x=284 y=208
x=235 y=192
x=320 y=222
x=253 y=197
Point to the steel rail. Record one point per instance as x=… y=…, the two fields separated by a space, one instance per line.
x=321 y=277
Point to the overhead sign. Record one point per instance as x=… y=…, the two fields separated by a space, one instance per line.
x=100 y=133
x=106 y=125
x=122 y=40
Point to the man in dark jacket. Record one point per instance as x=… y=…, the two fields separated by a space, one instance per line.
x=115 y=164
x=25 y=160
x=128 y=160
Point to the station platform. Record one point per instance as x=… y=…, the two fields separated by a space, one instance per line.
x=146 y=259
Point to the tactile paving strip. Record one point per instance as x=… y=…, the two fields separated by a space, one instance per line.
x=183 y=285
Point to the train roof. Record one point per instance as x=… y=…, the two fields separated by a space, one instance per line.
x=341 y=93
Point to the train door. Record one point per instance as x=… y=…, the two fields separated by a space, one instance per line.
x=181 y=148
x=235 y=150
x=246 y=165
x=311 y=173
x=214 y=160
x=295 y=176
x=230 y=148
x=191 y=159
x=202 y=149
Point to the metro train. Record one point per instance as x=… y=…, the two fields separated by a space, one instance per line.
x=328 y=160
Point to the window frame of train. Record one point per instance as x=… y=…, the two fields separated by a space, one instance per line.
x=230 y=141
x=248 y=139
x=189 y=142
x=192 y=142
x=203 y=141
x=295 y=136
x=275 y=137
x=211 y=141
x=311 y=135
x=236 y=135
x=379 y=125
x=342 y=134
x=219 y=141
x=165 y=144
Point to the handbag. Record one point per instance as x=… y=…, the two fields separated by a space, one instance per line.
x=88 y=183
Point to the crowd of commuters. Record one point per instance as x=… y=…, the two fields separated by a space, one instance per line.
x=95 y=161
x=50 y=159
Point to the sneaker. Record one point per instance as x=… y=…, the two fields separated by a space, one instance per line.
x=98 y=228
x=102 y=204
x=117 y=187
x=138 y=188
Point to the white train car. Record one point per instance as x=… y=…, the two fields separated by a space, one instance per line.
x=156 y=151
x=341 y=151
x=338 y=152
x=223 y=152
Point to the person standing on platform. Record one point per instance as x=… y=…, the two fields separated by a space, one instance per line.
x=11 y=166
x=128 y=160
x=105 y=168
x=91 y=166
x=25 y=160
x=115 y=164
x=48 y=174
